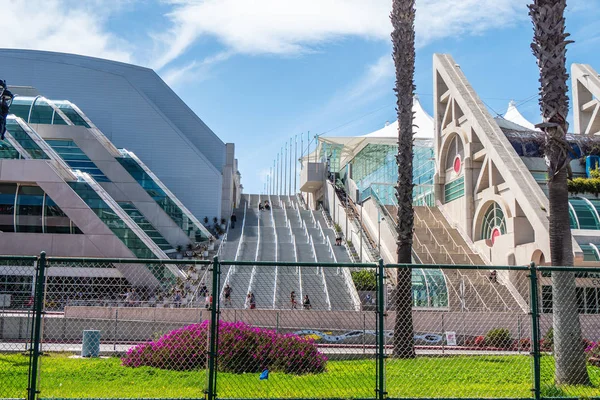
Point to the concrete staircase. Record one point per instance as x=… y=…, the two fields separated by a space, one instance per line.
x=288 y=233
x=437 y=242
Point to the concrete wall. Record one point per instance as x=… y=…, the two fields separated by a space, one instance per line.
x=136 y=110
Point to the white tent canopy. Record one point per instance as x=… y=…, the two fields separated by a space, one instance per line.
x=512 y=114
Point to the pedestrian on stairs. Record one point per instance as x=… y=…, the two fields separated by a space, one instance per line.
x=227 y=294
x=293 y=300
x=233 y=220
x=306 y=303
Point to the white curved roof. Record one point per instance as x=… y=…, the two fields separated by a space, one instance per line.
x=423 y=125
x=512 y=114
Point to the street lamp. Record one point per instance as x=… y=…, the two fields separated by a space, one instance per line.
x=6 y=98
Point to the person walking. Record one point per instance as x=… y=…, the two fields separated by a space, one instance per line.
x=177 y=299
x=233 y=220
x=247 y=302
x=252 y=301
x=227 y=294
x=306 y=303
x=293 y=300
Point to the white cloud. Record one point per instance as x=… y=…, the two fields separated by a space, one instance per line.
x=195 y=70
x=63 y=26
x=294 y=27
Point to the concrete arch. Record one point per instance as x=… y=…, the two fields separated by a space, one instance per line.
x=444 y=149
x=482 y=208
x=538 y=257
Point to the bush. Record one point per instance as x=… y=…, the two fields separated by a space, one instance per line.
x=364 y=280
x=547 y=342
x=479 y=341
x=592 y=353
x=499 y=337
x=241 y=348
x=337 y=228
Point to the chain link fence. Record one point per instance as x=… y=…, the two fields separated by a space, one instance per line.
x=101 y=328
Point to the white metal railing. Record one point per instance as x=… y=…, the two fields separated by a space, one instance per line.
x=305 y=230
x=298 y=269
x=314 y=253
x=351 y=288
x=312 y=216
x=449 y=256
x=237 y=252
x=300 y=201
x=253 y=273
x=321 y=232
x=299 y=214
x=331 y=252
x=287 y=220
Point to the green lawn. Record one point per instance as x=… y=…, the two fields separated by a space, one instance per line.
x=481 y=376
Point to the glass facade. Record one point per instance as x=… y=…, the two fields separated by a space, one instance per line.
x=67 y=108
x=590 y=252
x=375 y=167
x=584 y=213
x=24 y=140
x=333 y=153
x=146 y=226
x=493 y=220
x=7 y=150
x=76 y=158
x=429 y=288
x=112 y=220
x=26 y=208
x=177 y=214
x=41 y=112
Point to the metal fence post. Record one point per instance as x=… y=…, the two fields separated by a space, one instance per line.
x=214 y=329
x=535 y=330
x=38 y=306
x=380 y=391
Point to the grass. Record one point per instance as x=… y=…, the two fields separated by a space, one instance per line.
x=461 y=376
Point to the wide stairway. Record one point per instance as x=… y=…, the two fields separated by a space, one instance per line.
x=286 y=233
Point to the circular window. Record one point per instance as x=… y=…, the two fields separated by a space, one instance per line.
x=495 y=233
x=457 y=164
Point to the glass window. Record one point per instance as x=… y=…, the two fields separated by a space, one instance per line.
x=419 y=289
x=71 y=113
x=454 y=149
x=546 y=299
x=112 y=220
x=580 y=300
x=331 y=152
x=494 y=223
x=146 y=226
x=454 y=190
x=585 y=214
x=591 y=302
x=7 y=206
x=589 y=253
x=375 y=167
x=56 y=221
x=161 y=198
x=436 y=288
x=25 y=141
x=76 y=158
x=41 y=113
x=30 y=201
x=7 y=151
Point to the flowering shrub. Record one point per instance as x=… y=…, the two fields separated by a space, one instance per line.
x=480 y=341
x=592 y=353
x=241 y=348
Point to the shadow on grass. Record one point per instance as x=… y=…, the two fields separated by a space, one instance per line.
x=11 y=360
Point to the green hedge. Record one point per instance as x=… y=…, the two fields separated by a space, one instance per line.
x=586 y=185
x=364 y=280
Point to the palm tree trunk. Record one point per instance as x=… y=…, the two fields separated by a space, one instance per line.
x=549 y=47
x=403 y=40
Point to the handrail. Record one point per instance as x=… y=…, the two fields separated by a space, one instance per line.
x=253 y=273
x=287 y=219
x=325 y=289
x=312 y=216
x=298 y=269
x=237 y=252
x=321 y=231
x=305 y=230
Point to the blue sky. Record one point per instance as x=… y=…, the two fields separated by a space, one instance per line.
x=259 y=72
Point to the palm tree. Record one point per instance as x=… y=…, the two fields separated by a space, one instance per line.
x=550 y=48
x=403 y=40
